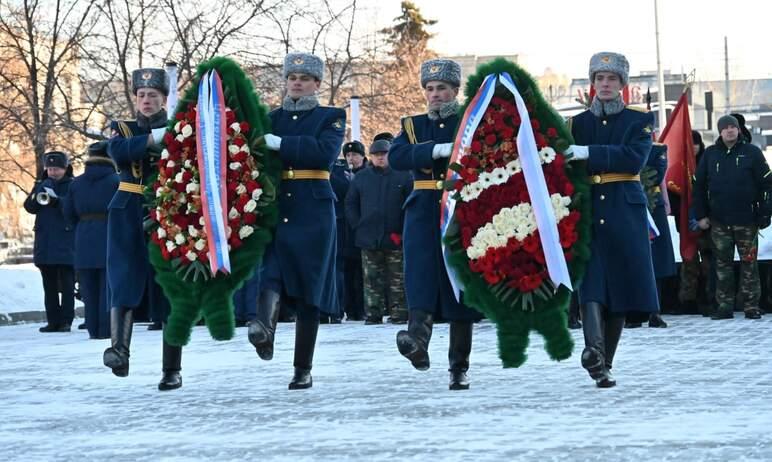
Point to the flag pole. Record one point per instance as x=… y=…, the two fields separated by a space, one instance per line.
x=660 y=75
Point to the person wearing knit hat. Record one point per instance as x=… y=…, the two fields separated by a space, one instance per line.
x=733 y=198
x=130 y=276
x=423 y=147
x=612 y=145
x=86 y=208
x=307 y=138
x=53 y=247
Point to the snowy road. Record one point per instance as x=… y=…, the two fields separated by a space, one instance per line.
x=700 y=390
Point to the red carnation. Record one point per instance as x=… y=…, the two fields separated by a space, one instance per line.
x=552 y=132
x=250 y=218
x=490 y=140
x=396 y=239
x=244 y=127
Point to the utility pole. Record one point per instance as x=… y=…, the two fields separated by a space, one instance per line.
x=660 y=75
x=727 y=104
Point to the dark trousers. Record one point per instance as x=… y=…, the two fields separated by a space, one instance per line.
x=245 y=299
x=354 y=297
x=59 y=279
x=93 y=288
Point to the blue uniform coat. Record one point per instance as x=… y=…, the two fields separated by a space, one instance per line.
x=301 y=259
x=129 y=272
x=619 y=274
x=662 y=254
x=426 y=281
x=54 y=238
x=86 y=208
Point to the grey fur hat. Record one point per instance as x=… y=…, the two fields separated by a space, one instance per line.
x=304 y=63
x=150 y=77
x=607 y=61
x=443 y=70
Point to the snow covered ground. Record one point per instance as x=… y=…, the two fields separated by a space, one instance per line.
x=699 y=390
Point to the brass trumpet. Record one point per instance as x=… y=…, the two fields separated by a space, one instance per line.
x=43 y=198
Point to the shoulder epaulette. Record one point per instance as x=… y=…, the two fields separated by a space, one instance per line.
x=637 y=109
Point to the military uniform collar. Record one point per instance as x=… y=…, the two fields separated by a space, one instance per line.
x=445 y=111
x=304 y=103
x=602 y=110
x=157 y=120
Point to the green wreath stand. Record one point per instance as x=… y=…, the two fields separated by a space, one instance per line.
x=546 y=316
x=212 y=298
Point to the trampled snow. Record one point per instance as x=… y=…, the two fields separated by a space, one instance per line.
x=699 y=390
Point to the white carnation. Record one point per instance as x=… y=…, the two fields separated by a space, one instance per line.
x=192 y=188
x=170 y=246
x=161 y=233
x=235 y=165
x=191 y=255
x=233 y=213
x=192 y=231
x=165 y=154
x=179 y=239
x=187 y=130
x=256 y=194
x=245 y=231
x=236 y=127
x=241 y=189
x=250 y=206
x=200 y=244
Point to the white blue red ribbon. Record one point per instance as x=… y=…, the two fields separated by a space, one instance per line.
x=472 y=117
x=211 y=143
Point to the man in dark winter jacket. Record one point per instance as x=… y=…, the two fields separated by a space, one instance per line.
x=353 y=296
x=53 y=252
x=732 y=198
x=86 y=208
x=374 y=210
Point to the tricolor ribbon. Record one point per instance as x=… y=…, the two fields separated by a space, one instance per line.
x=211 y=143
x=530 y=162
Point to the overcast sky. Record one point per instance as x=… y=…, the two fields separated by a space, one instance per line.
x=562 y=34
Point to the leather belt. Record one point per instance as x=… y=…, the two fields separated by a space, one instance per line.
x=613 y=178
x=131 y=187
x=93 y=217
x=305 y=175
x=436 y=185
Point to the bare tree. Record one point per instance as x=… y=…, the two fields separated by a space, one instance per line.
x=39 y=43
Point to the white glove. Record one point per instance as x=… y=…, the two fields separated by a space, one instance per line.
x=273 y=142
x=158 y=134
x=575 y=152
x=442 y=150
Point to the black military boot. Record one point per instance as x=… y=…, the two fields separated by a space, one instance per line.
x=263 y=328
x=593 y=356
x=613 y=332
x=458 y=354
x=413 y=343
x=655 y=320
x=116 y=357
x=306 y=328
x=172 y=365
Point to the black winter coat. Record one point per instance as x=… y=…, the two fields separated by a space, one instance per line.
x=374 y=206
x=730 y=183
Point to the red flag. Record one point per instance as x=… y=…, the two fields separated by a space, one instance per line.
x=680 y=170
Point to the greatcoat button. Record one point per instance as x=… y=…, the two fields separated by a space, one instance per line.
x=286 y=220
x=602 y=197
x=295 y=117
x=605 y=122
x=601 y=220
x=442 y=125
